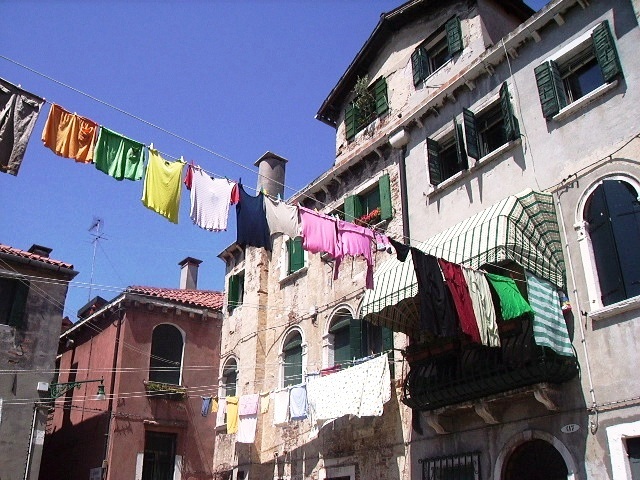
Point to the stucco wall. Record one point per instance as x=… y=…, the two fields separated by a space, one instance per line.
x=28 y=353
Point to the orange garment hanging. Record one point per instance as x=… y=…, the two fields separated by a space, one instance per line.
x=70 y=135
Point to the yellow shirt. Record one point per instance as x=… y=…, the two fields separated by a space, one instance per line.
x=162 y=183
x=232 y=414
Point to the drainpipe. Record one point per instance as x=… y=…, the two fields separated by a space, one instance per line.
x=27 y=468
x=399 y=140
x=105 y=461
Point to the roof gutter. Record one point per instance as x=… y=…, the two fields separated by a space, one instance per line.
x=39 y=264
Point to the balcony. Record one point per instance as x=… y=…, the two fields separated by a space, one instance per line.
x=165 y=390
x=452 y=372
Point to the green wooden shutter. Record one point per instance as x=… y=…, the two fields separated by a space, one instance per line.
x=433 y=159
x=386 y=207
x=420 y=65
x=357 y=338
x=352 y=208
x=296 y=254
x=293 y=362
x=550 y=88
x=234 y=291
x=387 y=345
x=350 y=115
x=454 y=35
x=17 y=314
x=606 y=52
x=463 y=162
x=380 y=94
x=471 y=133
x=510 y=122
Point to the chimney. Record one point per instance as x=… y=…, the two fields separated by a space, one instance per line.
x=271 y=172
x=189 y=273
x=40 y=250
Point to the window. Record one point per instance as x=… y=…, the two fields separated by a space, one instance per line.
x=13 y=301
x=295 y=255
x=437 y=50
x=230 y=378
x=563 y=80
x=366 y=108
x=165 y=364
x=159 y=456
x=492 y=127
x=371 y=206
x=236 y=291
x=458 y=467
x=612 y=215
x=633 y=451
x=292 y=359
x=446 y=157
x=350 y=338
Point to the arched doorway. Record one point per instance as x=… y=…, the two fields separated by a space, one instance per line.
x=535 y=460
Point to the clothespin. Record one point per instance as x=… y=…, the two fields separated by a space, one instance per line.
x=151 y=147
x=278 y=196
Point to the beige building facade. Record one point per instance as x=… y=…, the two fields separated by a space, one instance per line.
x=502 y=139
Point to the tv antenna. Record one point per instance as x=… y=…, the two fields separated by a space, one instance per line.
x=96 y=226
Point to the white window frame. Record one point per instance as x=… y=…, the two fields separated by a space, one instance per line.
x=283 y=264
x=596 y=309
x=184 y=344
x=616 y=436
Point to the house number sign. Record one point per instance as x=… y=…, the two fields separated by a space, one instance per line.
x=572 y=427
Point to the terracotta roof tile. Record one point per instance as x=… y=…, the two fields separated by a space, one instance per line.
x=197 y=298
x=32 y=256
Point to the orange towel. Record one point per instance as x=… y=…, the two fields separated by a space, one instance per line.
x=70 y=135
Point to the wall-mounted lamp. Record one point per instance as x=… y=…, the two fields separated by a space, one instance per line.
x=56 y=390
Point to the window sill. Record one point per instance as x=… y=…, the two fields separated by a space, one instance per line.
x=609 y=311
x=424 y=80
x=584 y=101
x=495 y=153
x=481 y=162
x=294 y=275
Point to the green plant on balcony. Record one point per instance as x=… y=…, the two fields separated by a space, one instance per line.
x=165 y=390
x=364 y=101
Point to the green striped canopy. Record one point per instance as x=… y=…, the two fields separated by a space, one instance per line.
x=522 y=228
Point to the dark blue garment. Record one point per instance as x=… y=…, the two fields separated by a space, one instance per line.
x=251 y=221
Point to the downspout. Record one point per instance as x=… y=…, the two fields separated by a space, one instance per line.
x=27 y=467
x=105 y=461
x=399 y=141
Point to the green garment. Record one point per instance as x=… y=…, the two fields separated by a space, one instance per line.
x=119 y=156
x=162 y=182
x=512 y=303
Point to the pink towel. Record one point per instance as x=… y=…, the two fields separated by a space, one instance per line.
x=356 y=240
x=248 y=404
x=319 y=233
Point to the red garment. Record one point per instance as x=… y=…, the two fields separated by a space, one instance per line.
x=235 y=194
x=188 y=177
x=460 y=292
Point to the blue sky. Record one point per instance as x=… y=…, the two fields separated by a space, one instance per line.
x=235 y=77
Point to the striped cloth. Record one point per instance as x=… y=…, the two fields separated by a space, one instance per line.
x=549 y=327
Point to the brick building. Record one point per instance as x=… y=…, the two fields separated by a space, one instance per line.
x=493 y=137
x=155 y=351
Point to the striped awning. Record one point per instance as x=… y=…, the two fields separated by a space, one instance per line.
x=522 y=228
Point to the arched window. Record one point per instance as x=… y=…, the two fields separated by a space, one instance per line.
x=292 y=359
x=350 y=338
x=612 y=217
x=230 y=378
x=165 y=364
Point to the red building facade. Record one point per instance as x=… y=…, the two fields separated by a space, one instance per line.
x=156 y=351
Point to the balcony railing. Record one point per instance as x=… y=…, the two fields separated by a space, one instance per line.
x=451 y=372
